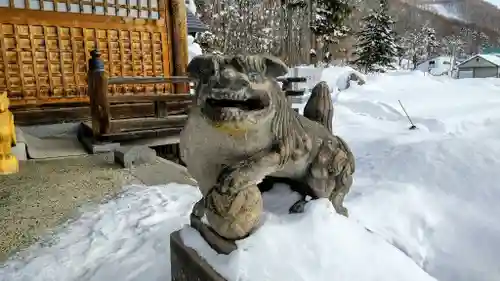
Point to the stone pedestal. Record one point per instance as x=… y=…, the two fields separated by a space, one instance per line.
x=187 y=265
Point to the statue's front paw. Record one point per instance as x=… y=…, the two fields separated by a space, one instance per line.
x=230 y=180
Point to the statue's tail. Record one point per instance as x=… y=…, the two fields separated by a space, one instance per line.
x=319 y=107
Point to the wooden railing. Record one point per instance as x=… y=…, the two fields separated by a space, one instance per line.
x=170 y=109
x=287 y=87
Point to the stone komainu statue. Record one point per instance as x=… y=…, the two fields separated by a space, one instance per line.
x=241 y=132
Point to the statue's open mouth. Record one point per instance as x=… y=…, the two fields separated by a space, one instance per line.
x=250 y=104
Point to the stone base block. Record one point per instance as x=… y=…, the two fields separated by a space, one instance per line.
x=20 y=151
x=134 y=156
x=187 y=265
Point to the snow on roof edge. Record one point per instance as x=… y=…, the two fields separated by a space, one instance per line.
x=494 y=59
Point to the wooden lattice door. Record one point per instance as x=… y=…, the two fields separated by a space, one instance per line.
x=45 y=46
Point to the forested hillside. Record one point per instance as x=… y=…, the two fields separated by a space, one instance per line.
x=283 y=28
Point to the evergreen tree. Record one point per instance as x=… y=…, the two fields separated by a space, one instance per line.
x=237 y=26
x=329 y=23
x=429 y=40
x=401 y=51
x=376 y=45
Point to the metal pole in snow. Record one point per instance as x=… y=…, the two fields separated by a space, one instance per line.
x=413 y=127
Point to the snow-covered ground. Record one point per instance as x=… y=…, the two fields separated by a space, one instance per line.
x=430 y=197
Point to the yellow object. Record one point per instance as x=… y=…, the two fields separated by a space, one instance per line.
x=231 y=128
x=8 y=162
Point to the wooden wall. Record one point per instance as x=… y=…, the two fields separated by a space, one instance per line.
x=45 y=46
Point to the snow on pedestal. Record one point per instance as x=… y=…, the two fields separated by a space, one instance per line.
x=315 y=246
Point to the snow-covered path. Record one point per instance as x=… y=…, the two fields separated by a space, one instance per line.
x=430 y=192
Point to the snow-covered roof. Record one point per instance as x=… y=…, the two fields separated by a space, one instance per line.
x=494 y=59
x=194 y=24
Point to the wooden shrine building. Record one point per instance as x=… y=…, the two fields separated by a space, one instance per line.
x=45 y=50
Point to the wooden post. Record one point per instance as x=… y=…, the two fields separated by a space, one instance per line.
x=312 y=37
x=98 y=95
x=168 y=55
x=179 y=42
x=161 y=109
x=161 y=106
x=286 y=86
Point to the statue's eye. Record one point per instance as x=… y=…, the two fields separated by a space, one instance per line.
x=252 y=76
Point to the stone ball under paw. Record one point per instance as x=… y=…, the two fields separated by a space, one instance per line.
x=233 y=216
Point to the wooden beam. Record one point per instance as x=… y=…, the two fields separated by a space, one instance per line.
x=179 y=40
x=147 y=123
x=16 y=103
x=39 y=116
x=134 y=134
x=136 y=110
x=178 y=108
x=148 y=80
x=26 y=103
x=291 y=79
x=37 y=18
x=141 y=134
x=151 y=97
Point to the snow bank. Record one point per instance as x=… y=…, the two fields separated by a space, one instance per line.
x=318 y=245
x=191 y=6
x=128 y=239
x=124 y=239
x=339 y=77
x=432 y=192
x=194 y=49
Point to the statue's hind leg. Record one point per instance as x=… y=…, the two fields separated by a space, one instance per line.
x=335 y=188
x=329 y=176
x=319 y=182
x=342 y=187
x=317 y=188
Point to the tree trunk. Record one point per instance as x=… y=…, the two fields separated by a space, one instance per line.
x=289 y=36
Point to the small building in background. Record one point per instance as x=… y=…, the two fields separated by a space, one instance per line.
x=436 y=66
x=479 y=66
